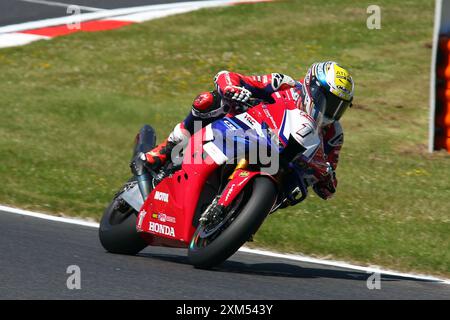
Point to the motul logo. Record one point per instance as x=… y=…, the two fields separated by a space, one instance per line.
x=161 y=196
x=162 y=229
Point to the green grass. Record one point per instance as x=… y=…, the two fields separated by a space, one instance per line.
x=70 y=109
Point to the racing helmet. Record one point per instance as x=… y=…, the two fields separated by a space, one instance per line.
x=327 y=92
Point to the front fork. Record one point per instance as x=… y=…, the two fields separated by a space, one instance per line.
x=144 y=181
x=143 y=177
x=240 y=177
x=218 y=207
x=294 y=195
x=242 y=164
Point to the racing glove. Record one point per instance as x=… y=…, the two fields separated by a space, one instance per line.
x=237 y=94
x=326 y=187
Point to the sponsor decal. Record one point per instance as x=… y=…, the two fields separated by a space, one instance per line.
x=268 y=115
x=343 y=89
x=228 y=79
x=229 y=192
x=244 y=174
x=251 y=122
x=161 y=196
x=161 y=229
x=165 y=218
x=142 y=215
x=250 y=119
x=207 y=115
x=229 y=125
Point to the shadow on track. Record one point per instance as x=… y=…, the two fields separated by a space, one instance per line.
x=282 y=269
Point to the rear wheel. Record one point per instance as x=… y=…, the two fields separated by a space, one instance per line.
x=211 y=246
x=117 y=230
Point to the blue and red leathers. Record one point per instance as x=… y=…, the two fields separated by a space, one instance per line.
x=231 y=90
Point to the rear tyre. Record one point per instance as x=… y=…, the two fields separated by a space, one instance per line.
x=205 y=253
x=117 y=231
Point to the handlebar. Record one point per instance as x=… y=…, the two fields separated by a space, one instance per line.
x=244 y=106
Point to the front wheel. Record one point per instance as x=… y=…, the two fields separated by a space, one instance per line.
x=117 y=230
x=207 y=250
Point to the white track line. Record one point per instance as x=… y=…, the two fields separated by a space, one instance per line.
x=18 y=39
x=49 y=217
x=60 y=4
x=306 y=259
x=194 y=5
x=150 y=15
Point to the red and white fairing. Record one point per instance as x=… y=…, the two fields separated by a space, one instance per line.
x=167 y=216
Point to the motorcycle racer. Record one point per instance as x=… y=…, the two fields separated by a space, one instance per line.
x=322 y=96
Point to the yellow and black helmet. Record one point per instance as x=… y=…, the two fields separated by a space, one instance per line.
x=327 y=91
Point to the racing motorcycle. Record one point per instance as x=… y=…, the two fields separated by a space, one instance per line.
x=212 y=197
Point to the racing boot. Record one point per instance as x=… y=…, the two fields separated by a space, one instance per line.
x=159 y=155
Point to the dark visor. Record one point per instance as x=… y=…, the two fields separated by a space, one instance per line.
x=331 y=105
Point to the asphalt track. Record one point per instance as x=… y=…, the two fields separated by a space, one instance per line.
x=18 y=11
x=35 y=254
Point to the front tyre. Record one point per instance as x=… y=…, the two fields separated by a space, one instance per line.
x=117 y=230
x=253 y=209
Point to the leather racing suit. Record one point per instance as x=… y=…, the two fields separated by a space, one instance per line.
x=210 y=106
